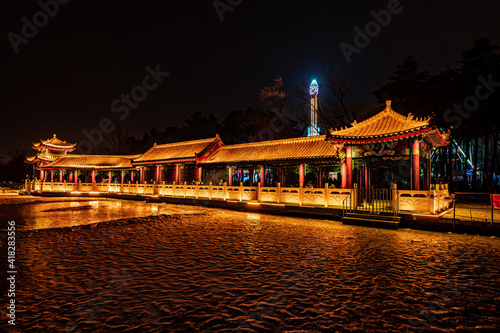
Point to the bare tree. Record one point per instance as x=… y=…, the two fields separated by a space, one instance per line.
x=115 y=142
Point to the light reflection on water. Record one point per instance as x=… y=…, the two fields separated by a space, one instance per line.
x=236 y=271
x=72 y=213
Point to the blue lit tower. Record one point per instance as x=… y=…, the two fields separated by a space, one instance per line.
x=313 y=91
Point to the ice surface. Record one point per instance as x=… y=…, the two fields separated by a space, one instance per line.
x=214 y=270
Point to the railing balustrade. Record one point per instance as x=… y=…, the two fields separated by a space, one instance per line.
x=433 y=201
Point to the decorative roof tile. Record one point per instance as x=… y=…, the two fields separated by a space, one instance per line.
x=387 y=125
x=90 y=162
x=303 y=148
x=187 y=150
x=54 y=143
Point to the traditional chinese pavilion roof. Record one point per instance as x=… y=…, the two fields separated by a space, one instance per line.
x=92 y=162
x=54 y=143
x=304 y=148
x=41 y=158
x=179 y=151
x=389 y=125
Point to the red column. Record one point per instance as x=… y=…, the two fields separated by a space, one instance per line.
x=141 y=176
x=60 y=176
x=132 y=176
x=320 y=177
x=262 y=176
x=230 y=176
x=415 y=165
x=52 y=175
x=282 y=177
x=177 y=174
x=348 y=160
x=76 y=176
x=199 y=175
x=110 y=176
x=301 y=175
x=41 y=175
x=344 y=175
x=123 y=177
x=158 y=174
x=93 y=176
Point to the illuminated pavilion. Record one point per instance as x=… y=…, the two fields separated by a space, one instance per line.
x=327 y=170
x=49 y=151
x=389 y=147
x=385 y=148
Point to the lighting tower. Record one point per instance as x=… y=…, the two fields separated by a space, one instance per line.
x=313 y=91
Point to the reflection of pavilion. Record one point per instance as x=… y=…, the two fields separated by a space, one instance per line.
x=318 y=170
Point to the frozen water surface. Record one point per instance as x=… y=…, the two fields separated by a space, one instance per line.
x=214 y=270
x=55 y=213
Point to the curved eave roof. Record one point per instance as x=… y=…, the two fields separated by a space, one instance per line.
x=92 y=162
x=177 y=151
x=41 y=158
x=296 y=149
x=54 y=143
x=387 y=125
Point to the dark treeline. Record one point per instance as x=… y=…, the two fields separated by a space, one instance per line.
x=464 y=98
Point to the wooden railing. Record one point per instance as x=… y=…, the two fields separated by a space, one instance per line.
x=433 y=201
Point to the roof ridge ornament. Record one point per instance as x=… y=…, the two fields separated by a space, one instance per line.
x=388 y=104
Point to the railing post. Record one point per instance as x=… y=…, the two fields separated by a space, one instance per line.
x=327 y=196
x=225 y=191
x=258 y=192
x=354 y=200
x=185 y=189
x=278 y=193
x=301 y=194
x=395 y=199
x=241 y=191
x=64 y=186
x=210 y=191
x=197 y=188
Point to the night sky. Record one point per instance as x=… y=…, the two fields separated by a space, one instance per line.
x=65 y=78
